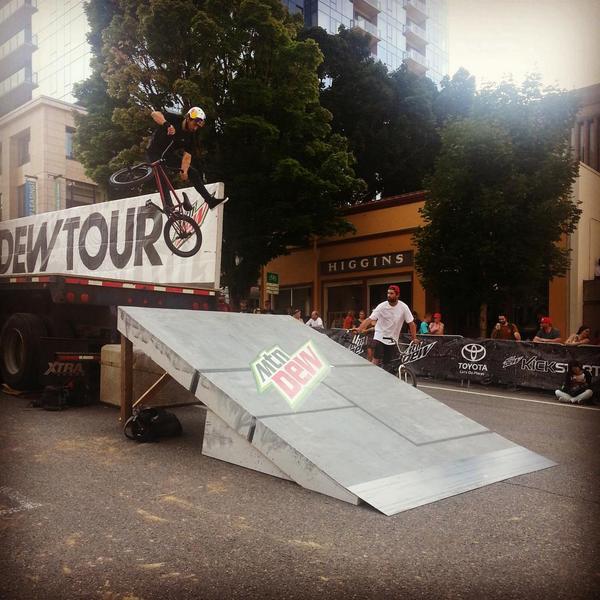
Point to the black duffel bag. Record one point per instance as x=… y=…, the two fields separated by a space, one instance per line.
x=150 y=424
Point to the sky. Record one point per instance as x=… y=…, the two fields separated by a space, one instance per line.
x=560 y=39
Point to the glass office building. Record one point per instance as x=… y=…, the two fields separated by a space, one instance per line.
x=410 y=31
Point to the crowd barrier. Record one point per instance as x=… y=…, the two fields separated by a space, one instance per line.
x=487 y=361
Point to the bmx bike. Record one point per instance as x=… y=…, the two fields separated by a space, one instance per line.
x=396 y=366
x=182 y=233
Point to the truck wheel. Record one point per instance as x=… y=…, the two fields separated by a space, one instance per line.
x=20 y=350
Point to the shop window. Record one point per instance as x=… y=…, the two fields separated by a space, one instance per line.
x=80 y=194
x=289 y=299
x=340 y=299
x=69 y=133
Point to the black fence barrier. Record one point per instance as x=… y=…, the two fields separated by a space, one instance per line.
x=523 y=364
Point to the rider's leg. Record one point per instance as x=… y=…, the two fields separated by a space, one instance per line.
x=196 y=180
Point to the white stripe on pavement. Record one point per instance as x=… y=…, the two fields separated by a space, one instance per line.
x=447 y=389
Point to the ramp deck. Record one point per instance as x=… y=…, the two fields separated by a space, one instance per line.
x=289 y=401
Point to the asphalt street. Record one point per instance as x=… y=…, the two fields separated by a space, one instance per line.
x=86 y=513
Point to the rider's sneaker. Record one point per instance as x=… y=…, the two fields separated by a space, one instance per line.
x=214 y=202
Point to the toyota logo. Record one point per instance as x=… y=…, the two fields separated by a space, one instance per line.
x=473 y=352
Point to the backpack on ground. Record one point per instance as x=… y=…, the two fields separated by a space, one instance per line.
x=150 y=424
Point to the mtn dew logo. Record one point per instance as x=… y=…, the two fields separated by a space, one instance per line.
x=292 y=376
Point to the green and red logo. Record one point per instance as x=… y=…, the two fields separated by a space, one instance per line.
x=292 y=376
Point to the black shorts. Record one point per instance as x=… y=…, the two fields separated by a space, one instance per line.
x=385 y=352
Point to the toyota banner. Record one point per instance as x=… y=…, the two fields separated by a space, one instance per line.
x=487 y=361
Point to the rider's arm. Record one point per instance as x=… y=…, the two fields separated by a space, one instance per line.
x=160 y=119
x=186 y=161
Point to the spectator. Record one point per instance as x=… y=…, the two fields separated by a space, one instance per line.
x=578 y=385
x=298 y=315
x=267 y=308
x=417 y=320
x=315 y=320
x=436 y=327
x=547 y=334
x=349 y=320
x=503 y=330
x=581 y=337
x=362 y=315
x=424 y=328
x=222 y=306
x=244 y=306
x=597 y=270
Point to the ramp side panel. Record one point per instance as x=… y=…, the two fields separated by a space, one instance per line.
x=222 y=442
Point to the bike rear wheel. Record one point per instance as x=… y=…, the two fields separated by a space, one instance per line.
x=182 y=235
x=407 y=375
x=130 y=176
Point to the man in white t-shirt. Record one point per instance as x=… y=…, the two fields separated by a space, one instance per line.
x=388 y=318
x=315 y=320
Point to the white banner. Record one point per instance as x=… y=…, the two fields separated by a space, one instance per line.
x=120 y=239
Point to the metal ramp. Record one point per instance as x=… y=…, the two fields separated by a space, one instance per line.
x=286 y=400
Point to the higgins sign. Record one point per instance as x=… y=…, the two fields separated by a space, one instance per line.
x=293 y=376
x=366 y=263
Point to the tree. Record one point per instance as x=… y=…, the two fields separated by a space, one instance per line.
x=268 y=138
x=500 y=199
x=387 y=118
x=456 y=97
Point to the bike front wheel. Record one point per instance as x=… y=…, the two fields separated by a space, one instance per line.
x=182 y=235
x=407 y=375
x=130 y=176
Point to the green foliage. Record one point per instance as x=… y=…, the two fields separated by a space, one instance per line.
x=388 y=119
x=500 y=197
x=268 y=138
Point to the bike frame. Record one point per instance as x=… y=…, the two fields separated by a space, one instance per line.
x=159 y=177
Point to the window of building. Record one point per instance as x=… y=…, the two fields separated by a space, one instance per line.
x=80 y=194
x=69 y=133
x=22 y=148
x=292 y=298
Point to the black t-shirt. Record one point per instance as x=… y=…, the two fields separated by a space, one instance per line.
x=160 y=139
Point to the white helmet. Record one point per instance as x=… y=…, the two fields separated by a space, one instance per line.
x=196 y=114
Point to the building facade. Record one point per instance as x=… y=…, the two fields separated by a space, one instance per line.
x=43 y=52
x=353 y=272
x=411 y=31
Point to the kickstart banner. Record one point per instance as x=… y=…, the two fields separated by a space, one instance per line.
x=541 y=366
x=119 y=239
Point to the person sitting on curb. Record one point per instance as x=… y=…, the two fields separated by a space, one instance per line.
x=547 y=334
x=577 y=388
x=581 y=337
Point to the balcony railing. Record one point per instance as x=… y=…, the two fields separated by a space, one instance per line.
x=23 y=76
x=17 y=41
x=373 y=4
x=9 y=9
x=417 y=9
x=415 y=30
x=417 y=57
x=365 y=25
